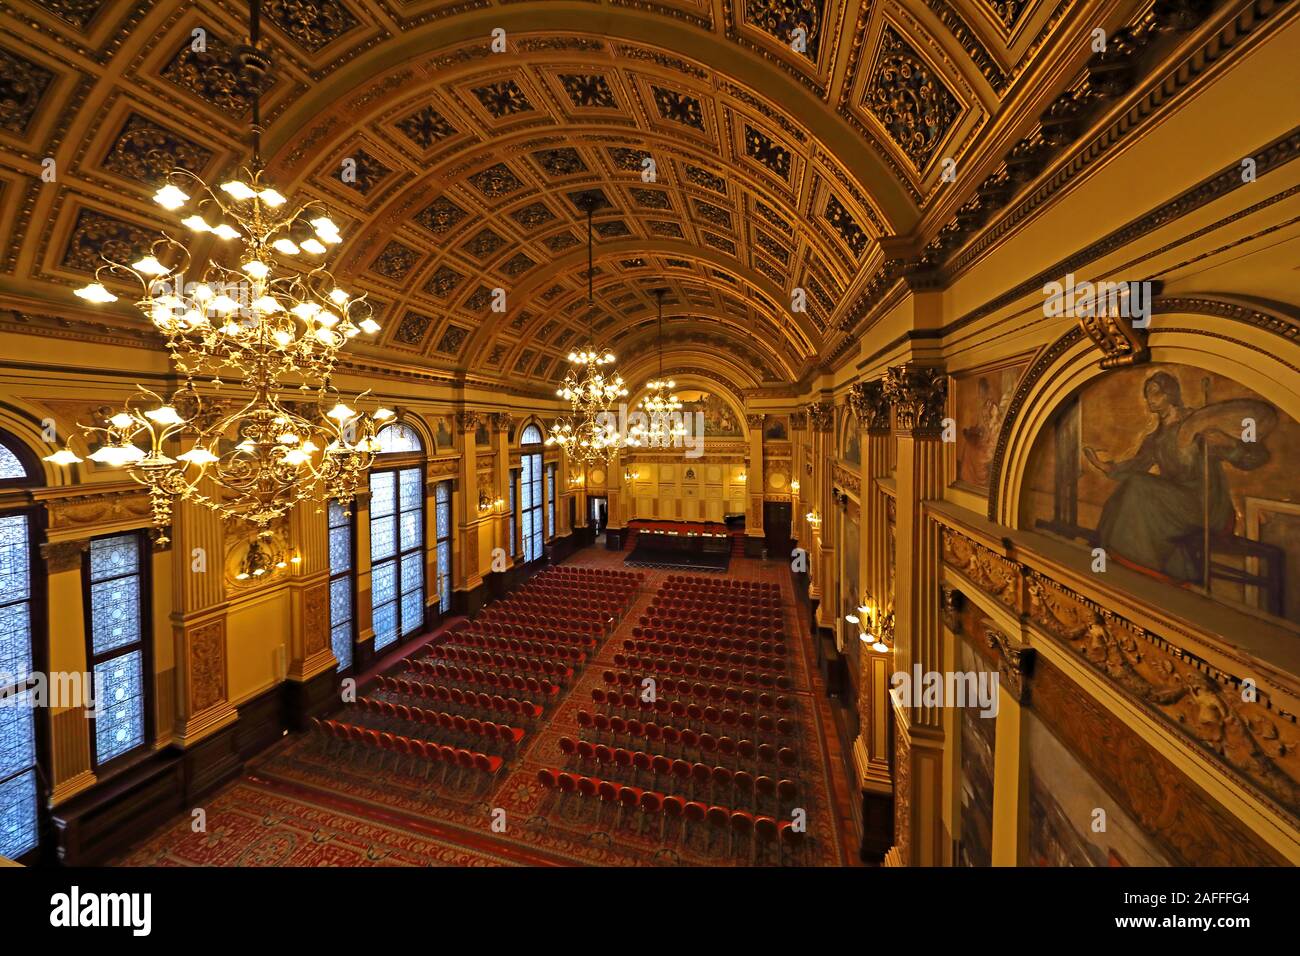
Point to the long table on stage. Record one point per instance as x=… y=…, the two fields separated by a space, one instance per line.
x=704 y=550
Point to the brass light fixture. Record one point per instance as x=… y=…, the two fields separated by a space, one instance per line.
x=590 y=433
x=660 y=405
x=272 y=313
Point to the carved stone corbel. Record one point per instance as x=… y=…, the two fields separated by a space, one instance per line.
x=951 y=602
x=1015 y=662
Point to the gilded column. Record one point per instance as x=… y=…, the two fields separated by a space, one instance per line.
x=918 y=394
x=310 y=652
x=199 y=624
x=70 y=729
x=1010 y=752
x=821 y=416
x=871 y=748
x=754 y=485
x=500 y=424
x=468 y=572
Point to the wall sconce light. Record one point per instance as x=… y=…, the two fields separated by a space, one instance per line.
x=484 y=502
x=815 y=520
x=876 y=631
x=576 y=481
x=631 y=475
x=741 y=477
x=262 y=558
x=794 y=486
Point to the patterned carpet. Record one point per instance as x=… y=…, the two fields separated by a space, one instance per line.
x=305 y=804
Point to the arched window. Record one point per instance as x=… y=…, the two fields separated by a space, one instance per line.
x=397 y=539
x=399 y=439
x=532 y=496
x=19 y=800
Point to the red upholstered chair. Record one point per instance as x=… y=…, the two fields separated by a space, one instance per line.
x=719 y=821
x=765 y=793
x=588 y=790
x=641 y=763
x=568 y=785
x=742 y=832
x=652 y=804
x=792 y=841
x=586 y=753
x=465 y=762
x=569 y=748
x=693 y=814
x=628 y=799
x=608 y=793
x=673 y=808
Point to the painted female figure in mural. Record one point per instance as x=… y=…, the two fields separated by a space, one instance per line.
x=1145 y=517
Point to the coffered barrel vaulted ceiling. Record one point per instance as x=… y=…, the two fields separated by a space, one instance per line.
x=774 y=167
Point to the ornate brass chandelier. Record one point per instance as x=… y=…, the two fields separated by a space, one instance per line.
x=257 y=455
x=659 y=405
x=591 y=433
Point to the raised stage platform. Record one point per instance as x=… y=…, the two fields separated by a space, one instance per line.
x=684 y=545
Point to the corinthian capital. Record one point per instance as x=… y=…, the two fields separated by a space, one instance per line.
x=822 y=416
x=918 y=394
x=868 y=401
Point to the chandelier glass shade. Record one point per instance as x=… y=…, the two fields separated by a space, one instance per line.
x=263 y=316
x=591 y=432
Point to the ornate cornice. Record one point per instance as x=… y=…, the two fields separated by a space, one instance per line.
x=919 y=394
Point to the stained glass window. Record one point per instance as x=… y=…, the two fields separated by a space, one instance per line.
x=18 y=806
x=514 y=511
x=117 y=630
x=531 y=495
x=396 y=553
x=398 y=439
x=442 y=534
x=10 y=466
x=340 y=529
x=550 y=502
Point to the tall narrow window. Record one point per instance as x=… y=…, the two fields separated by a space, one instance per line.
x=514 y=512
x=530 y=488
x=117 y=586
x=342 y=617
x=442 y=535
x=397 y=553
x=18 y=800
x=397 y=536
x=550 y=502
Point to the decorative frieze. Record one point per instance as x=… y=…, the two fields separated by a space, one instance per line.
x=990 y=572
x=847 y=480
x=109 y=510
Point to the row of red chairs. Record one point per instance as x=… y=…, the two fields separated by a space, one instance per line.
x=465 y=638
x=742 y=618
x=477 y=675
x=760 y=791
x=762 y=605
x=761 y=832
x=585 y=571
x=579 y=638
x=729 y=675
x=699 y=581
x=525 y=709
x=749 y=645
x=696 y=716
x=420 y=752
x=512 y=662
x=717 y=693
x=452 y=723
x=688 y=740
x=705 y=655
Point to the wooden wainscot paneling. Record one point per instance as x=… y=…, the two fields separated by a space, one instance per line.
x=1177 y=813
